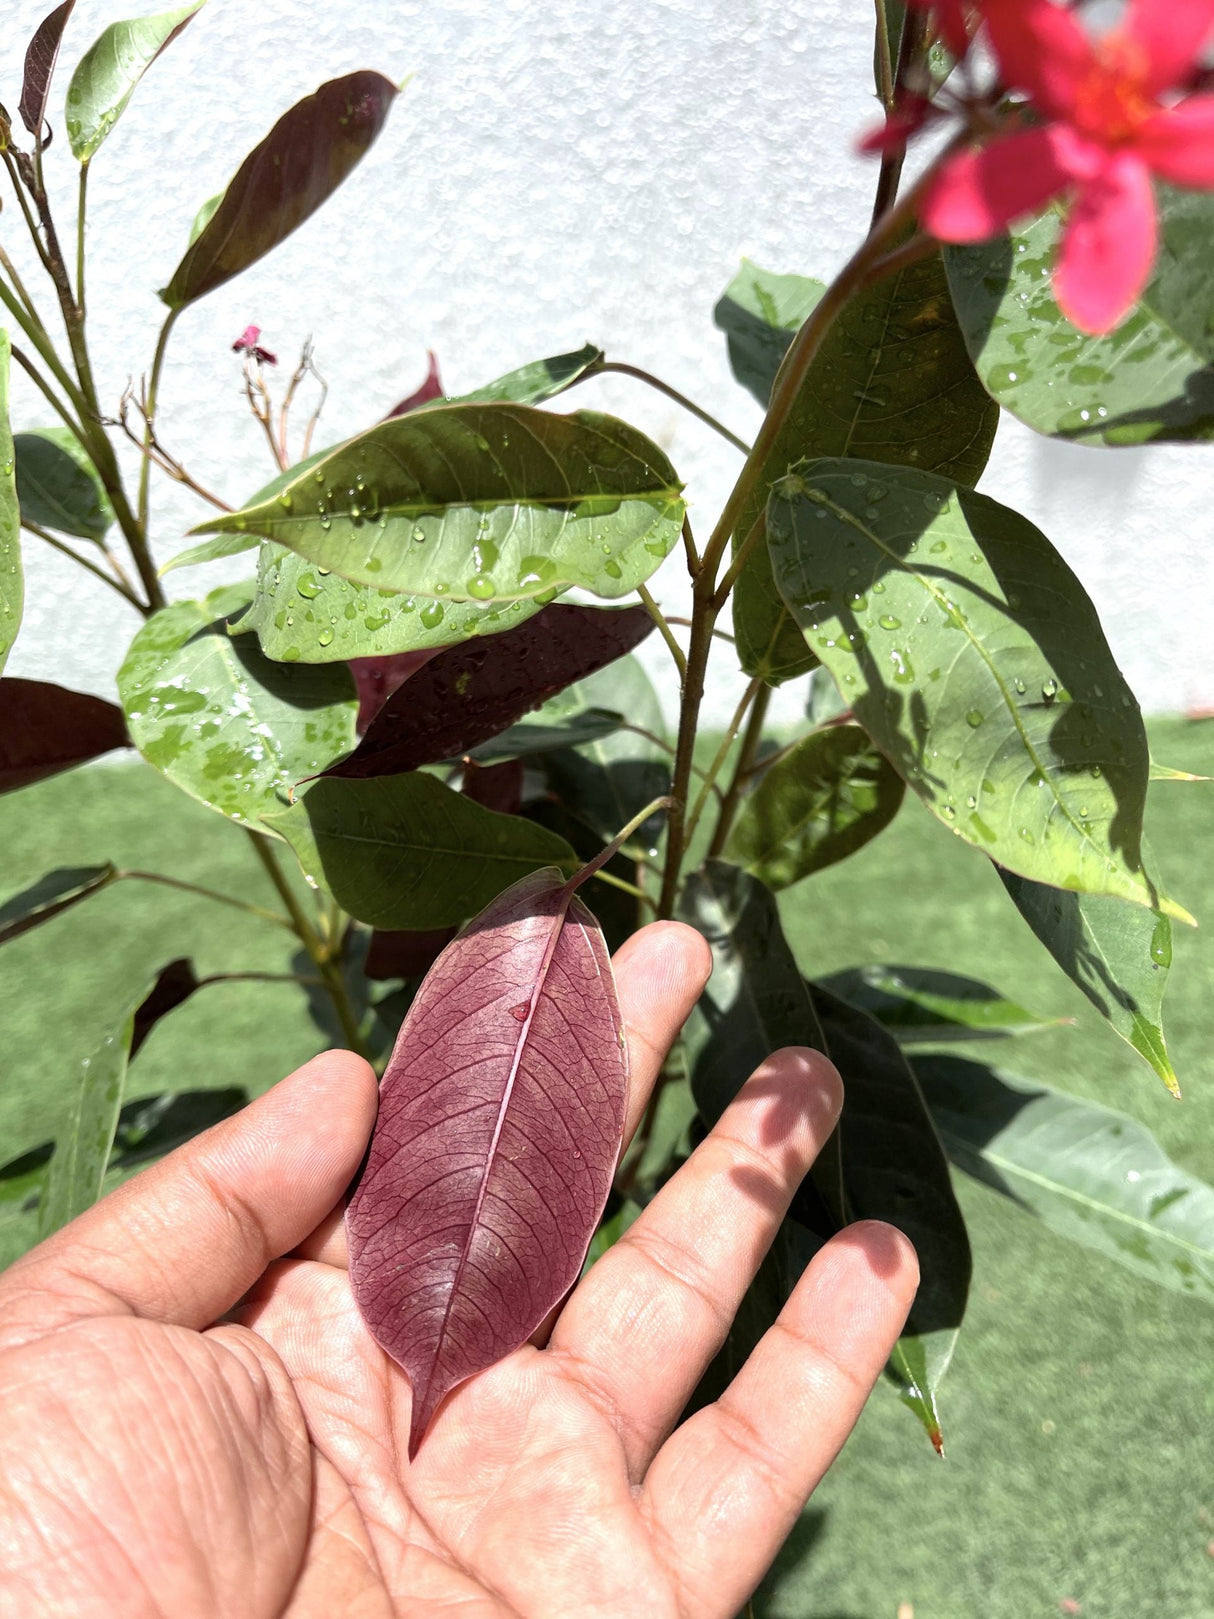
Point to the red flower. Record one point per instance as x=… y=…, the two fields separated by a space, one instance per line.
x=1106 y=132
x=247 y=343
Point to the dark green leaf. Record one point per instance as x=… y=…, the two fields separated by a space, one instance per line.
x=482 y=503
x=283 y=181
x=892 y=382
x=12 y=586
x=407 y=852
x=974 y=659
x=608 y=781
x=531 y=384
x=818 y=803
x=222 y=721
x=924 y=1004
x=1117 y=954
x=40 y=58
x=558 y=724
x=58 y=891
x=107 y=73
x=154 y=1125
x=894 y=1169
x=58 y=486
x=1151 y=379
x=1094 y=1176
x=305 y=614
x=759 y=312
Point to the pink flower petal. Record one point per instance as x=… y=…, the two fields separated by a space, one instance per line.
x=979 y=193
x=1108 y=246
x=1041 y=49
x=1178 y=142
x=1171 y=34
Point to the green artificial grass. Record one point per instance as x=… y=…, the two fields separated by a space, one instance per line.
x=1080 y=1402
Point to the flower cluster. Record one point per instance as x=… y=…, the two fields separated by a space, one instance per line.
x=1106 y=114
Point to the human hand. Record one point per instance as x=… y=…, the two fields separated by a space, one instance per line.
x=196 y=1425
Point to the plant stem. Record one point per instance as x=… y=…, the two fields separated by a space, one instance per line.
x=610 y=878
x=758 y=530
x=664 y=630
x=594 y=866
x=123 y=590
x=40 y=382
x=207 y=893
x=714 y=770
x=80 y=213
x=671 y=393
x=328 y=965
x=149 y=410
x=741 y=770
x=698 y=648
x=31 y=223
x=19 y=287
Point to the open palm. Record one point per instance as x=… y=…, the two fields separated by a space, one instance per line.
x=195 y=1425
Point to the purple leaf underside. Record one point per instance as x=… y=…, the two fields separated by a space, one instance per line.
x=46 y=728
x=499 y=1128
x=465 y=694
x=40 y=60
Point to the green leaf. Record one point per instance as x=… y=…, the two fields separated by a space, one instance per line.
x=562 y=722
x=974 y=659
x=1117 y=954
x=58 y=891
x=608 y=781
x=223 y=545
x=1150 y=380
x=925 y=1005
x=759 y=312
x=891 y=382
x=892 y=1165
x=1092 y=1175
x=483 y=503
x=894 y=1169
x=1160 y=772
x=204 y=216
x=818 y=803
x=82 y=1145
x=222 y=721
x=407 y=852
x=282 y=182
x=530 y=384
x=12 y=585
x=58 y=486
x=306 y=614
x=107 y=73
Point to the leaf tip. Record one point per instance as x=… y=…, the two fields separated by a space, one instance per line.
x=1177 y=912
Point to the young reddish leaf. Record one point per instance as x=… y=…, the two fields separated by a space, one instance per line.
x=301 y=162
x=465 y=694
x=431 y=388
x=40 y=60
x=45 y=729
x=377 y=678
x=498 y=1132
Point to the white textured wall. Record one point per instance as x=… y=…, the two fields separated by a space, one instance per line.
x=557 y=171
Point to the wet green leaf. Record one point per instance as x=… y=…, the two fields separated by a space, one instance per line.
x=222 y=721
x=223 y=545
x=974 y=659
x=1150 y=380
x=407 y=852
x=58 y=891
x=530 y=384
x=107 y=73
x=609 y=780
x=282 y=182
x=58 y=486
x=1092 y=1175
x=483 y=503
x=306 y=614
x=12 y=582
x=820 y=802
x=925 y=1005
x=1117 y=954
x=892 y=382
x=759 y=312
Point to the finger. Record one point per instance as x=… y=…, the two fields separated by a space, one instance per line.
x=640 y=1329
x=185 y=1239
x=659 y=974
x=728 y=1486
